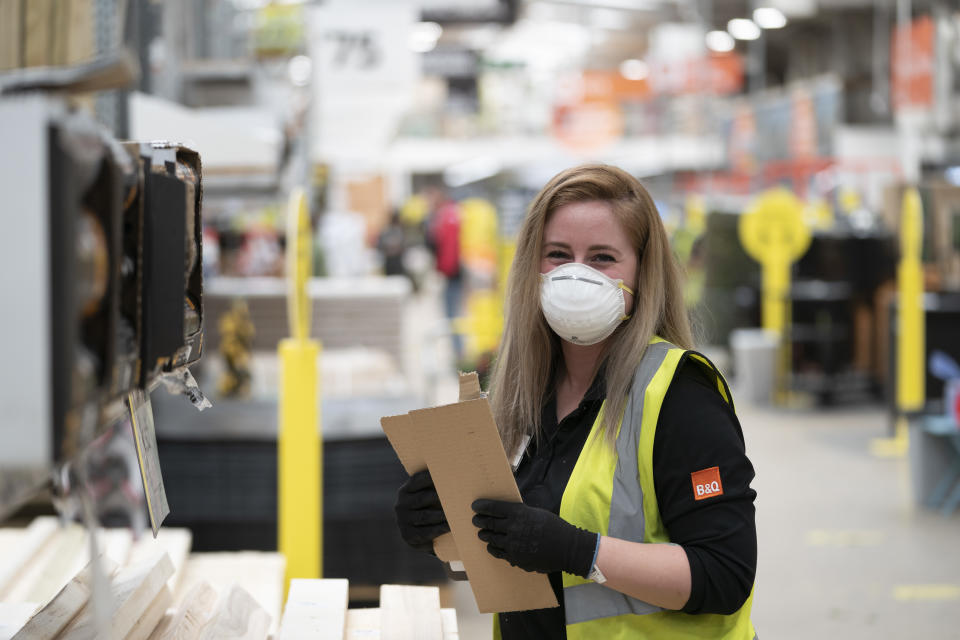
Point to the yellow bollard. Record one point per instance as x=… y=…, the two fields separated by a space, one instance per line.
x=299 y=442
x=911 y=327
x=910 y=313
x=773 y=233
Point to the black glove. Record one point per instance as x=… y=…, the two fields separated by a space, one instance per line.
x=534 y=539
x=419 y=514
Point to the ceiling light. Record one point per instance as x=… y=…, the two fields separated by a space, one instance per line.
x=720 y=41
x=424 y=36
x=769 y=18
x=634 y=69
x=743 y=29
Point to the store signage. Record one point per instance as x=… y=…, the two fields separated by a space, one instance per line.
x=719 y=74
x=796 y=124
x=365 y=75
x=588 y=116
x=911 y=62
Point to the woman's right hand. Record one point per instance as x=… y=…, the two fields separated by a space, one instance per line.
x=419 y=514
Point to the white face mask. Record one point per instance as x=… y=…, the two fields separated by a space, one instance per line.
x=582 y=305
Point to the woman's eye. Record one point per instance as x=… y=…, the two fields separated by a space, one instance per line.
x=558 y=255
x=603 y=257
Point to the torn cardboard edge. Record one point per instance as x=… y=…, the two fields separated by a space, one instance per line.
x=460 y=445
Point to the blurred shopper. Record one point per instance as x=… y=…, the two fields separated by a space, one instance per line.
x=636 y=485
x=445 y=241
x=392 y=245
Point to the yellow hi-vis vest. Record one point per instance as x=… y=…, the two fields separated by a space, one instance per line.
x=612 y=492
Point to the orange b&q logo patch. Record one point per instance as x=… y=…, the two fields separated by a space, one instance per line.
x=706 y=483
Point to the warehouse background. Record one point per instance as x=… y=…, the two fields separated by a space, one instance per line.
x=419 y=131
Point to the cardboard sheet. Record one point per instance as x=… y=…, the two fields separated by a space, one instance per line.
x=410 y=457
x=460 y=445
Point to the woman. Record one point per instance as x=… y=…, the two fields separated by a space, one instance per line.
x=636 y=485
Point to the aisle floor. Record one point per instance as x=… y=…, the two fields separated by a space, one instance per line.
x=843 y=550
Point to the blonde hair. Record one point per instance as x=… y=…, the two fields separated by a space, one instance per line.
x=530 y=354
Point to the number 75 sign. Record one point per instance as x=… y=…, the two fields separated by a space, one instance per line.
x=363 y=47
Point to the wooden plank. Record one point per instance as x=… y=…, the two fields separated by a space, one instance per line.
x=316 y=609
x=175 y=542
x=147 y=622
x=448 y=618
x=13 y=615
x=65 y=605
x=362 y=624
x=116 y=543
x=238 y=616
x=34 y=538
x=195 y=613
x=410 y=613
x=51 y=571
x=261 y=574
x=132 y=590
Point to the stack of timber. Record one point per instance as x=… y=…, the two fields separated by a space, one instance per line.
x=317 y=609
x=158 y=590
x=156 y=587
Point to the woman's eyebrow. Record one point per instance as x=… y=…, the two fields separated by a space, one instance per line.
x=593 y=247
x=603 y=247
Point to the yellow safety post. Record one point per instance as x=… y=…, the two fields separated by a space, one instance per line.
x=773 y=233
x=299 y=445
x=911 y=338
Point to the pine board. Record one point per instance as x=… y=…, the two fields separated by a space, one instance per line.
x=449 y=619
x=145 y=625
x=238 y=617
x=316 y=610
x=261 y=574
x=364 y=624
x=133 y=589
x=30 y=542
x=64 y=606
x=410 y=613
x=46 y=576
x=197 y=610
x=176 y=542
x=13 y=615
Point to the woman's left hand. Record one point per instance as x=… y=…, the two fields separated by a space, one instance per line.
x=534 y=539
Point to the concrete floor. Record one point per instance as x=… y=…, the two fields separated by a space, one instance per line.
x=843 y=551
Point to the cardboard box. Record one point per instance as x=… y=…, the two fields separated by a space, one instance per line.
x=460 y=445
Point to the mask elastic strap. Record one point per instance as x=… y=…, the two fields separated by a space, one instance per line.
x=630 y=291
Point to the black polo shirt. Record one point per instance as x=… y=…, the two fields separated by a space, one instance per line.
x=696 y=430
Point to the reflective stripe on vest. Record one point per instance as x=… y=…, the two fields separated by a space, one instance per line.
x=591 y=600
